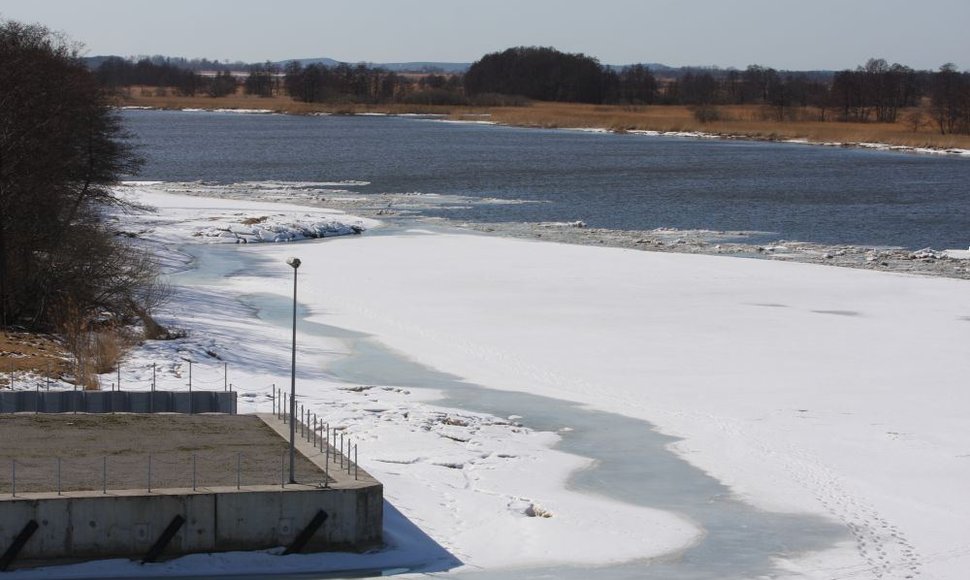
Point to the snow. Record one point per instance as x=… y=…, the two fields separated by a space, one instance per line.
x=239 y=222
x=489 y=492
x=806 y=389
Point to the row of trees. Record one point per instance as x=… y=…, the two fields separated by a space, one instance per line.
x=61 y=148
x=874 y=92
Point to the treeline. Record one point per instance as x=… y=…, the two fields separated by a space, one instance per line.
x=874 y=92
x=115 y=72
x=62 y=148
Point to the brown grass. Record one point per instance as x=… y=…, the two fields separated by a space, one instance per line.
x=28 y=352
x=751 y=121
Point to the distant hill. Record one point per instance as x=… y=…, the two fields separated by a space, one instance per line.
x=419 y=67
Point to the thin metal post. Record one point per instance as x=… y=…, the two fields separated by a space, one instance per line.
x=104 y=476
x=37 y=400
x=348 y=455
x=119 y=375
x=149 y=473
x=326 y=473
x=355 y=461
x=314 y=430
x=193 y=472
x=190 y=376
x=238 y=469
x=153 y=377
x=283 y=470
x=295 y=264
x=48 y=376
x=225 y=376
x=13 y=486
x=58 y=476
x=341 y=449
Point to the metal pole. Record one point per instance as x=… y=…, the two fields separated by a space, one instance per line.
x=238 y=470
x=355 y=461
x=193 y=472
x=13 y=486
x=314 y=430
x=48 y=376
x=295 y=263
x=153 y=377
x=282 y=470
x=58 y=476
x=104 y=476
x=119 y=375
x=190 y=376
x=341 y=449
x=225 y=376
x=149 y=473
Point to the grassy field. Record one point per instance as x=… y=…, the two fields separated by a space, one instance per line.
x=739 y=121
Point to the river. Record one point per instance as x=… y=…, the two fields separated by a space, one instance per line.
x=628 y=182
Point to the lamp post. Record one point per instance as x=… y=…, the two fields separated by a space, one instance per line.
x=295 y=263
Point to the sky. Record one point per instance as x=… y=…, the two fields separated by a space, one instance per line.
x=784 y=34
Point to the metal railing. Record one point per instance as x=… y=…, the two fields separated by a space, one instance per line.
x=151 y=472
x=333 y=442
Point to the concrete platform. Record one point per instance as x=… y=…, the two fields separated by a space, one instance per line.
x=225 y=475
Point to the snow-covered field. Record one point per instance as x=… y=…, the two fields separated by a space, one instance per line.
x=806 y=389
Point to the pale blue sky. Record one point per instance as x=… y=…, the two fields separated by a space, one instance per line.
x=824 y=34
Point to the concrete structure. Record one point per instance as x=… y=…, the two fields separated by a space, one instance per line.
x=103 y=523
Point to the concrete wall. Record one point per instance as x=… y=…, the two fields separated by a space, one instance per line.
x=126 y=524
x=118 y=402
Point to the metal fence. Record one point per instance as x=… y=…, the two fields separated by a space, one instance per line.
x=153 y=471
x=118 y=402
x=336 y=445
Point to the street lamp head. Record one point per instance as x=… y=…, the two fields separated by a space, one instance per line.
x=295 y=262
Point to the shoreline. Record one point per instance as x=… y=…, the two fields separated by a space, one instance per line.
x=404 y=209
x=483 y=118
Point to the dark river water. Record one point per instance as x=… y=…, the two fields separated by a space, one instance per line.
x=630 y=182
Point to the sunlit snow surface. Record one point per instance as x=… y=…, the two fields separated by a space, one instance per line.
x=804 y=388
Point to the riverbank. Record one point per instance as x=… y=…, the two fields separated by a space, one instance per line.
x=405 y=209
x=736 y=122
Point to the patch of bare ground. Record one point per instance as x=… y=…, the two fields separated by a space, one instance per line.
x=41 y=354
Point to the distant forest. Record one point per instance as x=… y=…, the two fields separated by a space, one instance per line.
x=873 y=92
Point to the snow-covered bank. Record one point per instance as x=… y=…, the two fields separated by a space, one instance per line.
x=490 y=493
x=804 y=388
x=240 y=222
